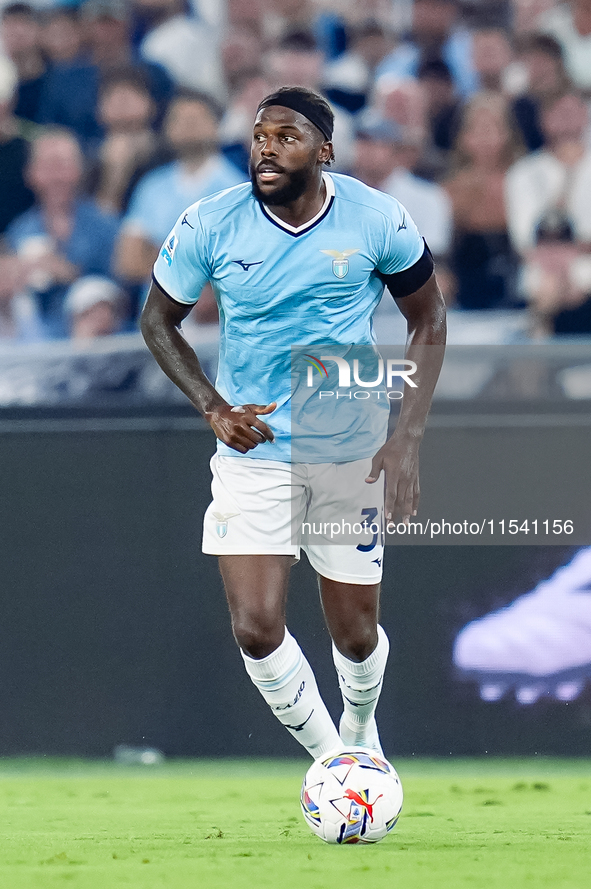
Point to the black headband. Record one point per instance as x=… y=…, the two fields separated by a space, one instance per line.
x=299 y=101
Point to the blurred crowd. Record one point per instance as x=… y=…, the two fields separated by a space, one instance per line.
x=115 y=115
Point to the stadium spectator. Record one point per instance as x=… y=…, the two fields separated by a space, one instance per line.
x=15 y=195
x=385 y=157
x=443 y=107
x=535 y=74
x=95 y=306
x=245 y=14
x=241 y=49
x=107 y=25
x=556 y=281
x=555 y=180
x=436 y=33
x=492 y=55
x=64 y=101
x=187 y=48
x=349 y=78
x=570 y=24
x=404 y=101
x=544 y=78
x=62 y=37
x=274 y=19
x=525 y=15
x=282 y=17
x=126 y=110
x=20 y=38
x=64 y=234
x=542 y=58
x=295 y=58
x=482 y=257
x=540 y=65
x=198 y=169
x=548 y=199
x=70 y=97
x=375 y=150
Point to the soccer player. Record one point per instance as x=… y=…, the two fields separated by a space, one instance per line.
x=299 y=256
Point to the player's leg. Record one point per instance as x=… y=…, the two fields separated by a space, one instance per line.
x=360 y=652
x=256 y=589
x=349 y=575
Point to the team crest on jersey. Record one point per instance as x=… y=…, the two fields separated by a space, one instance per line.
x=340 y=262
x=221 y=522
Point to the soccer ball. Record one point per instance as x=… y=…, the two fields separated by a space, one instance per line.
x=351 y=796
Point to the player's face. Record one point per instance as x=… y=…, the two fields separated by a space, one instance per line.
x=286 y=156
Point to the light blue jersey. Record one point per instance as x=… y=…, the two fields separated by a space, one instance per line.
x=278 y=287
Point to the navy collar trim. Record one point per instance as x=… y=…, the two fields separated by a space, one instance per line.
x=312 y=223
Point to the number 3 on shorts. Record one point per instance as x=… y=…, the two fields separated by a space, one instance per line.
x=369 y=519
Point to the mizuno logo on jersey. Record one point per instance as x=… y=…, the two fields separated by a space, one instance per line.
x=340 y=263
x=185 y=221
x=402 y=224
x=247 y=265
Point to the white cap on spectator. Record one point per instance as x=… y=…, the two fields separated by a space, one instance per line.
x=86 y=292
x=8 y=79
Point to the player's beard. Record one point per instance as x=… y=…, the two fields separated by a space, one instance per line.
x=294 y=188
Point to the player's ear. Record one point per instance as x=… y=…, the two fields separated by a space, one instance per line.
x=326 y=153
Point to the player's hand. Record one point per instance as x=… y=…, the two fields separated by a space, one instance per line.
x=239 y=426
x=399 y=459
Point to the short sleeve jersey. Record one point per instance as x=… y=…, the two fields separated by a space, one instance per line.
x=279 y=287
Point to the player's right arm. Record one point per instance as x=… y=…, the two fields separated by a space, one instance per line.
x=238 y=427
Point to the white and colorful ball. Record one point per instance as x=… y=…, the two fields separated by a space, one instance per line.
x=351 y=796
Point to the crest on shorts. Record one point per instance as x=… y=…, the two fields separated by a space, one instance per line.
x=340 y=263
x=221 y=522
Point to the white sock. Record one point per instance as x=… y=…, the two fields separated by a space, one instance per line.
x=286 y=681
x=361 y=684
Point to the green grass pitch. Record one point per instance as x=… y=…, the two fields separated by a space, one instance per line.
x=474 y=823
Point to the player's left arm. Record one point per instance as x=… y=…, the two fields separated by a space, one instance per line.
x=424 y=310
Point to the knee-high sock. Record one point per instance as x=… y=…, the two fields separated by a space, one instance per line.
x=286 y=681
x=361 y=684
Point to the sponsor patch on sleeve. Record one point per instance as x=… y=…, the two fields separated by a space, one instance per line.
x=168 y=249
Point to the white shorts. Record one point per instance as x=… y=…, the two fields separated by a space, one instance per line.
x=265 y=507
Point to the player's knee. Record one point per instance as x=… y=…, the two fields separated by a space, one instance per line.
x=357 y=645
x=258 y=638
